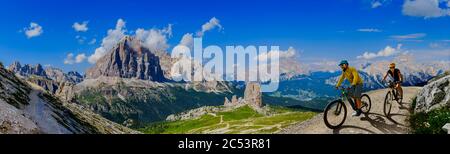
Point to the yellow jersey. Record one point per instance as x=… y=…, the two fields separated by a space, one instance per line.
x=352 y=75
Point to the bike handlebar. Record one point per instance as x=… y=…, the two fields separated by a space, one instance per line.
x=391 y=83
x=343 y=88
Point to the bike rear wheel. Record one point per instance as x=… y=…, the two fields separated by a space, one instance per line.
x=366 y=103
x=387 y=104
x=335 y=114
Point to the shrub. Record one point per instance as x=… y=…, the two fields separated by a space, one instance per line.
x=413 y=104
x=431 y=122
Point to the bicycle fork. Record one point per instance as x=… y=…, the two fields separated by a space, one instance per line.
x=338 y=109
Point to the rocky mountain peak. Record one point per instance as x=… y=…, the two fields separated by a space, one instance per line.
x=128 y=59
x=59 y=76
x=252 y=94
x=15 y=66
x=252 y=97
x=54 y=74
x=27 y=69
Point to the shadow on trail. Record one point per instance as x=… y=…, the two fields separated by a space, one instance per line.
x=338 y=130
x=380 y=123
x=395 y=121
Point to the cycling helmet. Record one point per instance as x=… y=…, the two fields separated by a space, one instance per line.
x=392 y=65
x=343 y=62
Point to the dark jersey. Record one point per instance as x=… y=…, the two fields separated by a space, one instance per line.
x=395 y=74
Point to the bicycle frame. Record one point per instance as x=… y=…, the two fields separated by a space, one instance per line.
x=393 y=90
x=345 y=96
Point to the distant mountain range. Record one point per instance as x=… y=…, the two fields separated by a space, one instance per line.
x=321 y=84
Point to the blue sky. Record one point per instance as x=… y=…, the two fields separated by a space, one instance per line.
x=333 y=29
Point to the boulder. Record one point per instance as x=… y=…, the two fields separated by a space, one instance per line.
x=434 y=95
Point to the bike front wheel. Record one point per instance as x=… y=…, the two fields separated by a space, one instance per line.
x=366 y=103
x=335 y=114
x=387 y=104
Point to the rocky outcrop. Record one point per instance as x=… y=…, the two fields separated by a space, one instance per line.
x=59 y=76
x=66 y=91
x=128 y=59
x=252 y=97
x=195 y=113
x=26 y=108
x=227 y=102
x=13 y=90
x=252 y=94
x=434 y=95
x=47 y=84
x=12 y=121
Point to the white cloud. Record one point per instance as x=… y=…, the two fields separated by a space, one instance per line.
x=425 y=8
x=80 y=58
x=386 y=52
x=211 y=24
x=81 y=39
x=379 y=3
x=93 y=41
x=69 y=59
x=187 y=40
x=438 y=44
x=80 y=27
x=434 y=45
x=368 y=30
x=281 y=54
x=408 y=36
x=112 y=38
x=72 y=59
x=376 y=4
x=154 y=39
x=34 y=30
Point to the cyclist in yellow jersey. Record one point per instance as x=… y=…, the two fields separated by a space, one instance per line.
x=352 y=75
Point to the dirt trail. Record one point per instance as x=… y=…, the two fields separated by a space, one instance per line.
x=373 y=123
x=43 y=115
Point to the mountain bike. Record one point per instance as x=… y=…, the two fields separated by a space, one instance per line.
x=391 y=96
x=336 y=111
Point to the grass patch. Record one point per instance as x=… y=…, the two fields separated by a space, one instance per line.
x=282 y=109
x=244 y=112
x=431 y=122
x=241 y=120
x=180 y=127
x=284 y=118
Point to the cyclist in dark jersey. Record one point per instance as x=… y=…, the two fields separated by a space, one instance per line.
x=397 y=76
